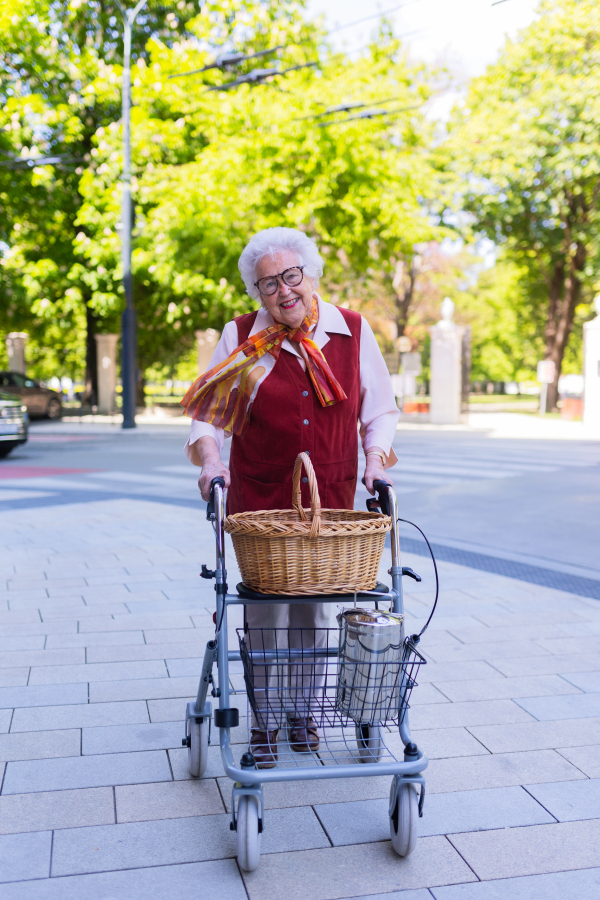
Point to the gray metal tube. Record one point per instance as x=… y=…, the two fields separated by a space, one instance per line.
x=210 y=655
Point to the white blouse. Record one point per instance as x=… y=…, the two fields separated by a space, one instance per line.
x=378 y=409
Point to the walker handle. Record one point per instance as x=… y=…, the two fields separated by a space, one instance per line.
x=382 y=501
x=210 y=507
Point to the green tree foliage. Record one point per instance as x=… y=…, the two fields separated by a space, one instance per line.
x=527 y=144
x=210 y=168
x=58 y=85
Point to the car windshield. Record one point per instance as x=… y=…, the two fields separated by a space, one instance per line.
x=20 y=381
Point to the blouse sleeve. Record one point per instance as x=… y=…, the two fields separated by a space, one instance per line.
x=224 y=348
x=379 y=411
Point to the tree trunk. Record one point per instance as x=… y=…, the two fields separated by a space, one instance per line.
x=560 y=316
x=91 y=358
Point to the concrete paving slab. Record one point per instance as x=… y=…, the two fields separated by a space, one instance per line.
x=585 y=885
x=25 y=856
x=14 y=677
x=174 y=636
x=478 y=712
x=218 y=879
x=98 y=672
x=366 y=821
x=500 y=634
x=587 y=759
x=86 y=771
x=168 y=800
x=57 y=626
x=128 y=738
x=168 y=710
x=486 y=651
x=499 y=770
x=43 y=695
x=96 y=640
x=23 y=642
x=576 y=706
x=12 y=658
x=143 y=689
x=172 y=841
x=538 y=735
x=131 y=712
x=324 y=874
x=442 y=673
x=438 y=743
x=507 y=688
x=534 y=850
x=398 y=895
x=5 y=720
x=585 y=681
x=547 y=665
x=56 y=809
x=569 y=802
x=40 y=745
x=135 y=623
x=180 y=765
x=144 y=651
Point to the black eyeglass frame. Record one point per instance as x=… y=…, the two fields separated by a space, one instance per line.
x=277 y=277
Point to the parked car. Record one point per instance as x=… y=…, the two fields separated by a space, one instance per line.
x=40 y=401
x=14 y=420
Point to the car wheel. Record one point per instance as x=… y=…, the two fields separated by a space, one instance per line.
x=54 y=409
x=5 y=448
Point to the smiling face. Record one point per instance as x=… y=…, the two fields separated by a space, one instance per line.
x=288 y=305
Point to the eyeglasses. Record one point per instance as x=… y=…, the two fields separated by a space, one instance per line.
x=269 y=285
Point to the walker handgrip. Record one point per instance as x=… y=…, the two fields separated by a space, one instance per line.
x=210 y=507
x=380 y=487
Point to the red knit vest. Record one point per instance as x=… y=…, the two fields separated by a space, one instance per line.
x=287 y=417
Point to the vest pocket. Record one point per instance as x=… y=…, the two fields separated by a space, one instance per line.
x=340 y=494
x=263 y=495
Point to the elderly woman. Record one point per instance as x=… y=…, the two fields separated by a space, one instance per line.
x=297 y=375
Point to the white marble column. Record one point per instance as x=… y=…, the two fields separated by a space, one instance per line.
x=207 y=341
x=591 y=371
x=106 y=350
x=446 y=374
x=15 y=345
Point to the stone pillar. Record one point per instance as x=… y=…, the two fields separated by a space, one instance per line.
x=15 y=345
x=207 y=341
x=446 y=371
x=106 y=350
x=591 y=371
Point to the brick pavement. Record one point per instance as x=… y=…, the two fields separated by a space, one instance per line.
x=103 y=621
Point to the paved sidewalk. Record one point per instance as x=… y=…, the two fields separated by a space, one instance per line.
x=103 y=621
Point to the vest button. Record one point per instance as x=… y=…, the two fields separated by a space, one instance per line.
x=305 y=393
x=306 y=422
x=305 y=480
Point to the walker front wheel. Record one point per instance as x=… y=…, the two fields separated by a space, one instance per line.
x=248 y=835
x=369 y=739
x=404 y=815
x=197 y=734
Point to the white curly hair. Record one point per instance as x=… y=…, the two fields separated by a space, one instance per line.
x=271 y=241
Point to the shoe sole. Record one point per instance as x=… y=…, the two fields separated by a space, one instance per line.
x=305 y=748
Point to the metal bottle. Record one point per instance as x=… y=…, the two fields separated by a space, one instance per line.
x=369 y=675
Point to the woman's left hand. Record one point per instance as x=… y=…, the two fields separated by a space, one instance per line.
x=374 y=471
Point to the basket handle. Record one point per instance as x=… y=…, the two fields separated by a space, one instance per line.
x=303 y=459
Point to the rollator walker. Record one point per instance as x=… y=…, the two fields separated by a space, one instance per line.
x=352 y=745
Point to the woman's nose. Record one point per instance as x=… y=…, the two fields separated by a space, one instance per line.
x=284 y=289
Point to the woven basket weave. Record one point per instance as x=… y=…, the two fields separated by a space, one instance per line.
x=308 y=551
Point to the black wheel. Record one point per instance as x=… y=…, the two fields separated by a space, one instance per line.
x=6 y=448
x=54 y=409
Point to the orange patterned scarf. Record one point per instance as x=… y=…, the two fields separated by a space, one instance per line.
x=223 y=396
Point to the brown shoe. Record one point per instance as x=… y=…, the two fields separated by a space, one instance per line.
x=263 y=745
x=303 y=735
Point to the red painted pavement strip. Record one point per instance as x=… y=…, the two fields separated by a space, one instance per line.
x=9 y=471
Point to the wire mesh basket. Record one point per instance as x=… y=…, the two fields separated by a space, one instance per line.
x=294 y=673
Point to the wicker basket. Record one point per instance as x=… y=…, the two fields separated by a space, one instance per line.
x=299 y=551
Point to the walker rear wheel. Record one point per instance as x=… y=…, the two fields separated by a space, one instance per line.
x=197 y=734
x=404 y=815
x=248 y=835
x=370 y=743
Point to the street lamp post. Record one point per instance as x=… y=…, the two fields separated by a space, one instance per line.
x=128 y=319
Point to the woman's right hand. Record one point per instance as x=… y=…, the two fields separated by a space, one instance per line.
x=209 y=471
